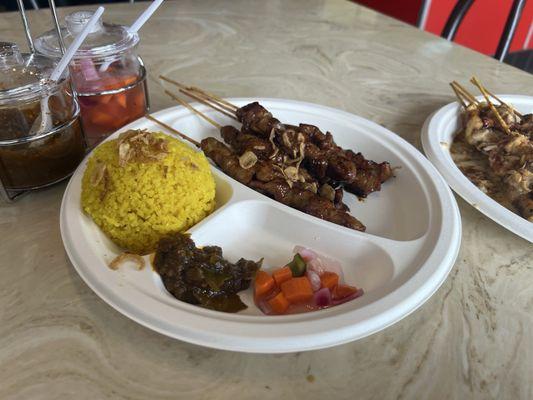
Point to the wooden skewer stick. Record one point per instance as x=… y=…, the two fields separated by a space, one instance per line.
x=215 y=97
x=458 y=95
x=209 y=96
x=504 y=103
x=465 y=93
x=194 y=110
x=175 y=131
x=503 y=124
x=214 y=106
x=209 y=99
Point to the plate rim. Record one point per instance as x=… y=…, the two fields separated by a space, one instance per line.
x=417 y=297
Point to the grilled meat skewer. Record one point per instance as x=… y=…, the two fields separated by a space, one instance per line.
x=272 y=164
x=308 y=202
x=509 y=156
x=333 y=165
x=226 y=159
x=323 y=157
x=295 y=197
x=242 y=142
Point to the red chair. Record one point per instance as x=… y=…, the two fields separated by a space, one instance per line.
x=482 y=27
x=461 y=9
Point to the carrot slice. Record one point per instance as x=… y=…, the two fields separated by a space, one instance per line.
x=329 y=280
x=281 y=275
x=263 y=283
x=121 y=99
x=101 y=118
x=279 y=303
x=129 y=80
x=297 y=290
x=105 y=98
x=342 y=291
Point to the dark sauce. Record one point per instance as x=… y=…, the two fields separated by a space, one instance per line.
x=41 y=161
x=202 y=276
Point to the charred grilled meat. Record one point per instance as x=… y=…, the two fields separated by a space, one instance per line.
x=227 y=160
x=265 y=178
x=242 y=142
x=274 y=164
x=257 y=119
x=322 y=156
x=308 y=202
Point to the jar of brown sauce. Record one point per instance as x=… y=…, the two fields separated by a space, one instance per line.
x=41 y=140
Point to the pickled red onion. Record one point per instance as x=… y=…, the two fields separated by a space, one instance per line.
x=314 y=279
x=322 y=298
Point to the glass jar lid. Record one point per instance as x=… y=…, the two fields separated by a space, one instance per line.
x=22 y=76
x=105 y=39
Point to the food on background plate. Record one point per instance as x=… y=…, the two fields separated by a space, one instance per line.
x=108 y=75
x=494 y=150
x=201 y=275
x=145 y=185
x=299 y=166
x=307 y=283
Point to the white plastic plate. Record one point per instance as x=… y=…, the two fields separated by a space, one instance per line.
x=437 y=136
x=412 y=241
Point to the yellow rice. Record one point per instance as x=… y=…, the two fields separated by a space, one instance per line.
x=144 y=201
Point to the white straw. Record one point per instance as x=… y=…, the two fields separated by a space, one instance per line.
x=75 y=45
x=134 y=28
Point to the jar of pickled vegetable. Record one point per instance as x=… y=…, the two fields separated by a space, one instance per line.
x=108 y=75
x=41 y=139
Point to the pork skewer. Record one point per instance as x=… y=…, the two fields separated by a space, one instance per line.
x=273 y=164
x=324 y=158
x=304 y=200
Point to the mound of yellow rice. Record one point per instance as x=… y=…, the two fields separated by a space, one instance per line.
x=143 y=186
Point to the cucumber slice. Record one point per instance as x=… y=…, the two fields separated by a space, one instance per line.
x=297 y=265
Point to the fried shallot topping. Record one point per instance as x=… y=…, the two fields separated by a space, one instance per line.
x=125 y=257
x=140 y=146
x=99 y=173
x=100 y=176
x=248 y=160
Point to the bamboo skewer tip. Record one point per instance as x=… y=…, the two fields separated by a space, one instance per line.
x=481 y=88
x=171 y=129
x=194 y=110
x=202 y=93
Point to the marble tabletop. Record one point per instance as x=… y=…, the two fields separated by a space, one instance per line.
x=472 y=339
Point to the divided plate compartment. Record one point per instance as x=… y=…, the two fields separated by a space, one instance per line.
x=412 y=240
x=437 y=136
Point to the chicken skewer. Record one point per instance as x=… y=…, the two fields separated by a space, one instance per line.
x=304 y=200
x=508 y=151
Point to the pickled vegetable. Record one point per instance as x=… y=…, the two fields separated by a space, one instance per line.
x=297 y=265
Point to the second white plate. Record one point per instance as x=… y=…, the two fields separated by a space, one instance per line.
x=437 y=136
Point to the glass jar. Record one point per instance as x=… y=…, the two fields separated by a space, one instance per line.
x=109 y=77
x=41 y=140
